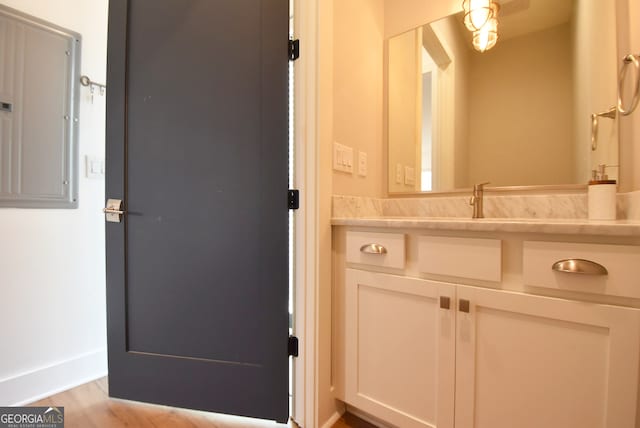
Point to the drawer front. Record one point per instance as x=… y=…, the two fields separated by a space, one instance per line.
x=622 y=263
x=377 y=249
x=461 y=257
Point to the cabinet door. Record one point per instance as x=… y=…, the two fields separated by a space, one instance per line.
x=529 y=362
x=400 y=348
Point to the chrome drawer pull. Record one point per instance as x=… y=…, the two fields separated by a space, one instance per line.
x=373 y=249
x=580 y=266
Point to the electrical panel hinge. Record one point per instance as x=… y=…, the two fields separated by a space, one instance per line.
x=294 y=49
x=293 y=346
x=293 y=199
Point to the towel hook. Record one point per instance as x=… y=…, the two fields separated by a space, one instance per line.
x=85 y=81
x=610 y=114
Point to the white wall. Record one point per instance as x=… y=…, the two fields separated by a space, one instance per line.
x=52 y=273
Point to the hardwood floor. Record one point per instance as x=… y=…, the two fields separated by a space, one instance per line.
x=89 y=406
x=351 y=421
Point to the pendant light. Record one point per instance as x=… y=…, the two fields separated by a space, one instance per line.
x=477 y=13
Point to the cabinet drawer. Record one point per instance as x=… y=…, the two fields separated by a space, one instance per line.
x=377 y=249
x=461 y=257
x=622 y=263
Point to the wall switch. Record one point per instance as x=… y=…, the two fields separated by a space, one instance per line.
x=399 y=174
x=94 y=167
x=409 y=176
x=342 y=158
x=362 y=164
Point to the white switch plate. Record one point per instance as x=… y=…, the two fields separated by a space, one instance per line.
x=362 y=164
x=342 y=158
x=409 y=176
x=94 y=167
x=399 y=173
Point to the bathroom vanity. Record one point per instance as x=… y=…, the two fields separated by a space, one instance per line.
x=465 y=323
x=529 y=317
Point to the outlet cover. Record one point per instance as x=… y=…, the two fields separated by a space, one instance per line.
x=409 y=176
x=362 y=164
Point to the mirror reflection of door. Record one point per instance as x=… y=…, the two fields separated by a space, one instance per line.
x=429 y=85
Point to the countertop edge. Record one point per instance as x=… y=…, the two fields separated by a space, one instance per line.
x=550 y=226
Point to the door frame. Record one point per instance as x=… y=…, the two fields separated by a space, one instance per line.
x=306 y=260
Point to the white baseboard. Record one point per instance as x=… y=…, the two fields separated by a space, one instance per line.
x=333 y=419
x=43 y=382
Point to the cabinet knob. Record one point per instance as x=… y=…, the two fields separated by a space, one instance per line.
x=445 y=302
x=373 y=249
x=579 y=266
x=463 y=306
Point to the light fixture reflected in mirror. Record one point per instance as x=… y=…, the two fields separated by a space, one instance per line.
x=487 y=37
x=477 y=13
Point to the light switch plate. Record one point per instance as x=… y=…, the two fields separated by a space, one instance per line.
x=362 y=164
x=94 y=166
x=399 y=173
x=342 y=158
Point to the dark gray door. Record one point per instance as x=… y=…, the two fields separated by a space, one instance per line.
x=197 y=150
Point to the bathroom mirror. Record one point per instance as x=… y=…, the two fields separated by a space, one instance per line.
x=518 y=114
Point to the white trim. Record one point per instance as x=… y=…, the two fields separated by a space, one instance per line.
x=305 y=172
x=333 y=419
x=40 y=383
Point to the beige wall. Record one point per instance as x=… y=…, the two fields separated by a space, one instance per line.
x=531 y=144
x=595 y=76
x=358 y=31
x=349 y=93
x=404 y=15
x=628 y=15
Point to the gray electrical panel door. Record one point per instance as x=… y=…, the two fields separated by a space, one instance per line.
x=39 y=95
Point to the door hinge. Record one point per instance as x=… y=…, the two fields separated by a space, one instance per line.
x=294 y=49
x=293 y=346
x=293 y=199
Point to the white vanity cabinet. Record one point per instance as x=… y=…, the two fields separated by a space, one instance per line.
x=426 y=352
x=531 y=361
x=400 y=348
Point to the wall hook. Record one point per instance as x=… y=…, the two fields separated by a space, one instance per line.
x=85 y=81
x=612 y=113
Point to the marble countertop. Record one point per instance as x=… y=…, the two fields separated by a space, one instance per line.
x=523 y=225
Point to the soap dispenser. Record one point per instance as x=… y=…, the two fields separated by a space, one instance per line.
x=602 y=195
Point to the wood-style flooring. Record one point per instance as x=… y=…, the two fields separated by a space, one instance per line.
x=89 y=406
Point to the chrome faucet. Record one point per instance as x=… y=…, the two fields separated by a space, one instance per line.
x=477 y=199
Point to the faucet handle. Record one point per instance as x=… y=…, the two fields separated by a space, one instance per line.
x=480 y=186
